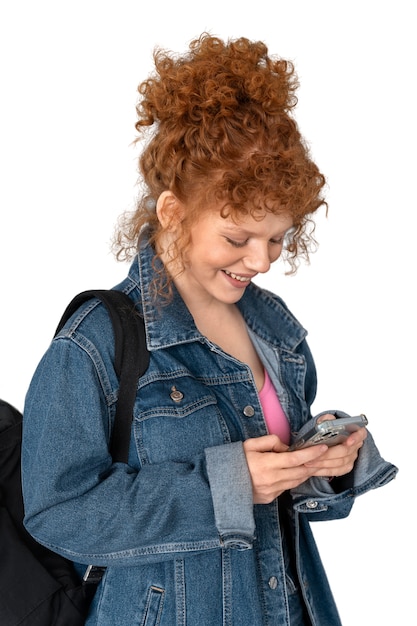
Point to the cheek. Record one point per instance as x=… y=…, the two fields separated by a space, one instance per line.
x=216 y=259
x=212 y=257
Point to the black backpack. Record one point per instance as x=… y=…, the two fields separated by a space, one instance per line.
x=37 y=586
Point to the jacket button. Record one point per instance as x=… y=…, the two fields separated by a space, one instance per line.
x=273 y=582
x=249 y=411
x=312 y=504
x=176 y=395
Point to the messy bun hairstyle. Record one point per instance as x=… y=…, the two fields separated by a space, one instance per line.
x=218 y=128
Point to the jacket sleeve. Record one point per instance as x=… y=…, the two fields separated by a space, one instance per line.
x=81 y=504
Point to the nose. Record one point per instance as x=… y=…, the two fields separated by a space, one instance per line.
x=258 y=258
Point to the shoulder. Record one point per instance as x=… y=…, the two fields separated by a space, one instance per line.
x=91 y=317
x=90 y=320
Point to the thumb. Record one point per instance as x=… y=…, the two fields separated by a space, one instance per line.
x=266 y=443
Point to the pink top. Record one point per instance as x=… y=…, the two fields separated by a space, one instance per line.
x=275 y=418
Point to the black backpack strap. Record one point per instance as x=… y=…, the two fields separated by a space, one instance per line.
x=131 y=358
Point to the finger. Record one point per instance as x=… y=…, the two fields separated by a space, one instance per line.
x=266 y=443
x=304 y=456
x=335 y=465
x=323 y=418
x=357 y=437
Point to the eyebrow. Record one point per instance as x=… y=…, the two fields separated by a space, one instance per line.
x=236 y=228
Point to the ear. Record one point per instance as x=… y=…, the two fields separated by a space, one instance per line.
x=169 y=210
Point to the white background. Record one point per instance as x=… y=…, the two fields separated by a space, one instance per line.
x=69 y=72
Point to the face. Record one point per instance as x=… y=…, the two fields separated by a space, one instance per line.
x=225 y=256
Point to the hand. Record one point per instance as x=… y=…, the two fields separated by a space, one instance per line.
x=339 y=459
x=273 y=470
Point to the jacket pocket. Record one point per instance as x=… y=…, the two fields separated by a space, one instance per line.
x=177 y=419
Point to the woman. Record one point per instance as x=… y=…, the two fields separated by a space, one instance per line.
x=208 y=524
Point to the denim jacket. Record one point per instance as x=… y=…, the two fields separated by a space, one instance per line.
x=176 y=527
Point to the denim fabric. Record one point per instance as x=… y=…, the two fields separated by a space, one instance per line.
x=176 y=527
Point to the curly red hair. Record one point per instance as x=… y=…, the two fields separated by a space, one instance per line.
x=222 y=131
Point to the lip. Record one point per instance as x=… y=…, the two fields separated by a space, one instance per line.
x=237 y=280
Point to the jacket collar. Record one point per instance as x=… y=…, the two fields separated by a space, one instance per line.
x=172 y=324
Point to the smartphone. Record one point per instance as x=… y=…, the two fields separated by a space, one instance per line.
x=330 y=432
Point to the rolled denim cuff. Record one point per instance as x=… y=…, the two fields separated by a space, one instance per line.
x=371 y=471
x=231 y=490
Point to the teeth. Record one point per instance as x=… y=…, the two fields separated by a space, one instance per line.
x=242 y=279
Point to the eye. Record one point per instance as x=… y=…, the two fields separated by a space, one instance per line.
x=236 y=244
x=277 y=242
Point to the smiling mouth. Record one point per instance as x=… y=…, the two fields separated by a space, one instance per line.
x=242 y=279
